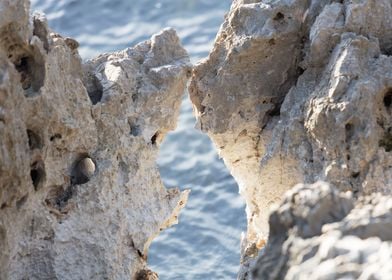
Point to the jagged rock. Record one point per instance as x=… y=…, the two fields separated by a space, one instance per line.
x=299 y=91
x=319 y=233
x=80 y=193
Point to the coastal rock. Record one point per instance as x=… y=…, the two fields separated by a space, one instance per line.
x=80 y=192
x=318 y=232
x=296 y=91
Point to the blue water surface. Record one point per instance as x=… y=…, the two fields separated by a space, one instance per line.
x=205 y=244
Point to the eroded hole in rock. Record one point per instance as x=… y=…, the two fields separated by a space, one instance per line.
x=388 y=99
x=38 y=174
x=55 y=136
x=300 y=71
x=386 y=141
x=94 y=88
x=27 y=59
x=34 y=140
x=155 y=138
x=355 y=175
x=349 y=129
x=32 y=72
x=58 y=198
x=22 y=67
x=275 y=111
x=82 y=171
x=279 y=16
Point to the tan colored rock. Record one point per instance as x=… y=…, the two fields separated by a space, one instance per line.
x=299 y=91
x=80 y=193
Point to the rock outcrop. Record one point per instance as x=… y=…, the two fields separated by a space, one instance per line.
x=319 y=233
x=296 y=91
x=80 y=193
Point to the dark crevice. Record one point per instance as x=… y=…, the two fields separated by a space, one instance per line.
x=22 y=67
x=355 y=175
x=54 y=137
x=300 y=71
x=32 y=72
x=154 y=138
x=94 y=88
x=386 y=49
x=27 y=59
x=386 y=141
x=275 y=112
x=388 y=99
x=349 y=129
x=38 y=174
x=58 y=198
x=140 y=253
x=279 y=16
x=202 y=109
x=34 y=140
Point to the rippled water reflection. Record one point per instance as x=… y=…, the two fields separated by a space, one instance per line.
x=205 y=245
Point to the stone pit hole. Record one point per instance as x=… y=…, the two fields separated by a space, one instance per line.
x=386 y=140
x=388 y=99
x=58 y=197
x=26 y=58
x=94 y=88
x=38 y=174
x=34 y=140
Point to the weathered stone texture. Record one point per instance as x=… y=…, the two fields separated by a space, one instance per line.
x=319 y=233
x=80 y=193
x=296 y=91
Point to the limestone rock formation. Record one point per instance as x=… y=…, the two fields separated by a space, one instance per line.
x=319 y=233
x=296 y=91
x=80 y=193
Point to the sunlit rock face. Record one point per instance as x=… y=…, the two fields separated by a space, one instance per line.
x=80 y=193
x=296 y=91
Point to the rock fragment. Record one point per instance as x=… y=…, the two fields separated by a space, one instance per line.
x=352 y=240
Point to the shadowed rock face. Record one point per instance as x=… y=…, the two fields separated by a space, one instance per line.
x=80 y=193
x=299 y=91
